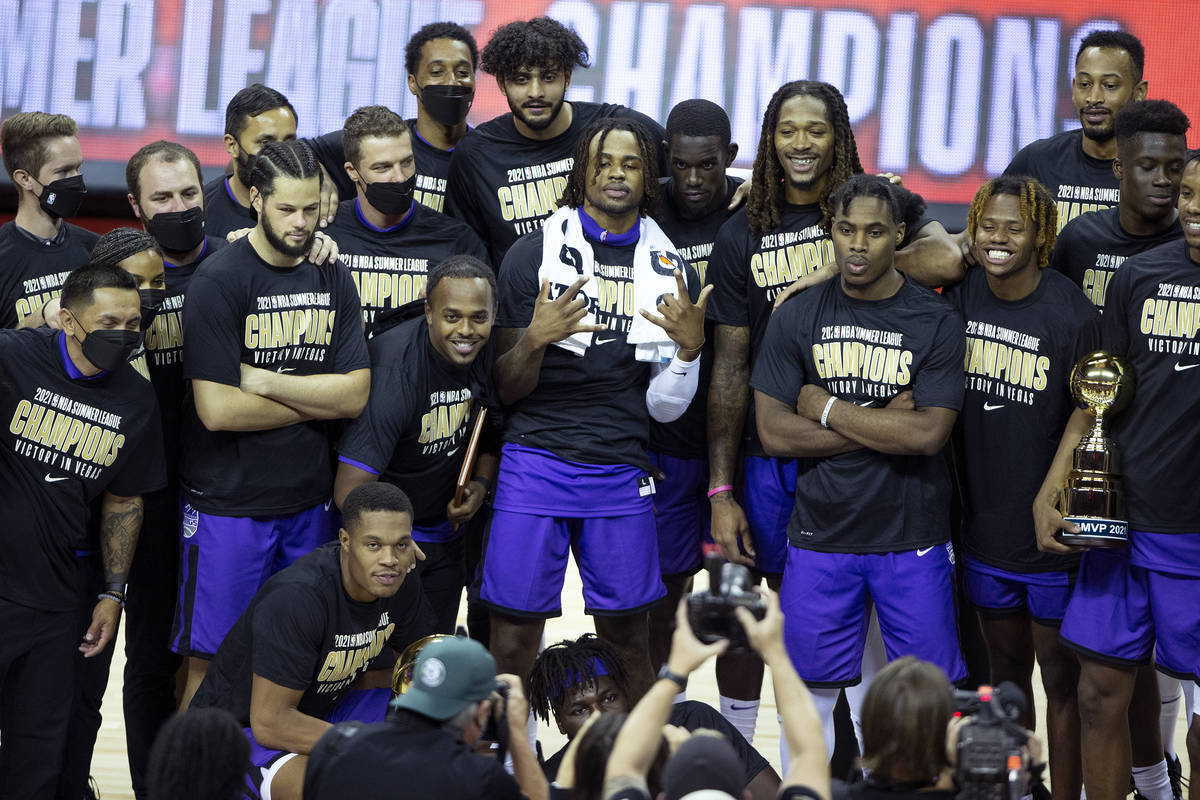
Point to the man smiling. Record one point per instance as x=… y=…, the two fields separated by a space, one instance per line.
x=428 y=378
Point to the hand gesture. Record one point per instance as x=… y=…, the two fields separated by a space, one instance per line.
x=558 y=319
x=682 y=319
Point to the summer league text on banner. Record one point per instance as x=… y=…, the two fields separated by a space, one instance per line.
x=943 y=93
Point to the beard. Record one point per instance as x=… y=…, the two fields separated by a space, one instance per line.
x=282 y=245
x=540 y=124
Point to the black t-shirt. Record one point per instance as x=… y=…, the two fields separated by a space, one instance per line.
x=504 y=185
x=407 y=756
x=419 y=414
x=686 y=437
x=33 y=271
x=303 y=319
x=1152 y=317
x=164 y=350
x=693 y=715
x=433 y=165
x=304 y=633
x=1018 y=361
x=1091 y=247
x=66 y=440
x=867 y=352
x=748 y=271
x=590 y=408
x=389 y=267
x=222 y=212
x=1077 y=182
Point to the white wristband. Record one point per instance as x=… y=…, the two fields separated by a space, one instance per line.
x=825 y=413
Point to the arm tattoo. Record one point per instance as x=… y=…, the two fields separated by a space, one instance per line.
x=119 y=527
x=728 y=400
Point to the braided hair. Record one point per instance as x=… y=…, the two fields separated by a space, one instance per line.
x=576 y=190
x=766 y=196
x=567 y=664
x=200 y=755
x=290 y=159
x=120 y=243
x=1036 y=204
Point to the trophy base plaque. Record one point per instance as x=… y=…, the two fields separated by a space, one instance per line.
x=1096 y=532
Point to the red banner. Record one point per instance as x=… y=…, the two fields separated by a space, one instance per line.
x=941 y=92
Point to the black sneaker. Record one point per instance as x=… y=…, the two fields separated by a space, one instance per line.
x=1175 y=773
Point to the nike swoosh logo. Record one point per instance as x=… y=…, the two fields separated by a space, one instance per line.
x=990 y=407
x=55 y=480
x=286 y=369
x=924 y=550
x=452 y=452
x=866 y=403
x=605 y=339
x=733 y=707
x=1181 y=367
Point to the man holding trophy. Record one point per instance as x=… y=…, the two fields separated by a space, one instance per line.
x=1135 y=604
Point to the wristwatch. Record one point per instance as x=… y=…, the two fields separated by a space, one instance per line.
x=679 y=680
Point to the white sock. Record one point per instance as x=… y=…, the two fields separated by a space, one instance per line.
x=874 y=659
x=1172 y=695
x=1152 y=782
x=741 y=714
x=825 y=700
x=784 y=753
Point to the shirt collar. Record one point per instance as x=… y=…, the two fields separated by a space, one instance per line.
x=407 y=218
x=58 y=238
x=73 y=371
x=594 y=231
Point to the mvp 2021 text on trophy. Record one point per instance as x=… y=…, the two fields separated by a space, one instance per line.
x=1093 y=497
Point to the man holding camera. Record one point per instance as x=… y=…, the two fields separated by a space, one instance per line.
x=425 y=748
x=287 y=667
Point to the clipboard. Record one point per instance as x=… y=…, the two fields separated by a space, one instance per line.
x=468 y=465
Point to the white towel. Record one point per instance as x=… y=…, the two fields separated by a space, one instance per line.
x=567 y=256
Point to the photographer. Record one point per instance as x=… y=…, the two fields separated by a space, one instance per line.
x=914 y=745
x=808 y=772
x=424 y=749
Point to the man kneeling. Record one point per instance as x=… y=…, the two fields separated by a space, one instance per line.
x=313 y=632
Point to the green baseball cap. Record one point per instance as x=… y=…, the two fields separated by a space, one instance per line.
x=449 y=675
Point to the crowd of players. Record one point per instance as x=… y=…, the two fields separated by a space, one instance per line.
x=667 y=354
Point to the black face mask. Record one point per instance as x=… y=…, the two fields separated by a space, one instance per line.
x=391 y=197
x=241 y=166
x=62 y=198
x=447 y=103
x=151 y=302
x=109 y=349
x=177 y=231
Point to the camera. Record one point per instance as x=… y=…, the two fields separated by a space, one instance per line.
x=496 y=730
x=992 y=759
x=711 y=613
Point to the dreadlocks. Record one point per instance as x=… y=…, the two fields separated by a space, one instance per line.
x=765 y=203
x=568 y=664
x=574 y=194
x=1036 y=204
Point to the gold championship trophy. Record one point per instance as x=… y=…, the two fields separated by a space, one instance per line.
x=1093 y=497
